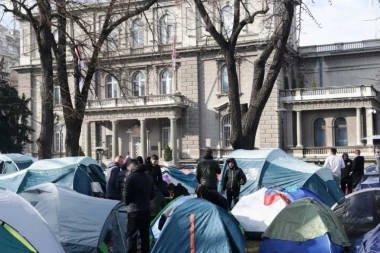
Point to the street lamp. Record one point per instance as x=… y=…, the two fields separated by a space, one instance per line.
x=282 y=112
x=99 y=153
x=60 y=128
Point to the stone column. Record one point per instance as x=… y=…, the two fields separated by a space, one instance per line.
x=358 y=127
x=173 y=139
x=143 y=138
x=299 y=130
x=114 y=139
x=369 y=116
x=289 y=129
x=88 y=139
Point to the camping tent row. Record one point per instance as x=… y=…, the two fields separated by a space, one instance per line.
x=77 y=173
x=175 y=177
x=10 y=163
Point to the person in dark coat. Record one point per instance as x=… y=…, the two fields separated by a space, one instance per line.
x=155 y=171
x=233 y=179
x=177 y=190
x=138 y=192
x=112 y=172
x=207 y=171
x=357 y=169
x=121 y=177
x=346 y=179
x=140 y=160
x=212 y=196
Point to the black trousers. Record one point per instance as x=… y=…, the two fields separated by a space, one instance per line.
x=138 y=222
x=344 y=182
x=232 y=194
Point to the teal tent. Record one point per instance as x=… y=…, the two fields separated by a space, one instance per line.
x=273 y=168
x=77 y=173
x=10 y=163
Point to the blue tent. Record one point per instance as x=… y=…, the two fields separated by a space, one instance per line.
x=276 y=169
x=301 y=193
x=368 y=243
x=77 y=173
x=10 y=163
x=200 y=226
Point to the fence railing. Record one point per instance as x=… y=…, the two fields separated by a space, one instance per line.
x=340 y=46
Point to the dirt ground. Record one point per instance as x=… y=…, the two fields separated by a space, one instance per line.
x=252 y=246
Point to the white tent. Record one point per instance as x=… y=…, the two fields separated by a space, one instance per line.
x=253 y=215
x=22 y=228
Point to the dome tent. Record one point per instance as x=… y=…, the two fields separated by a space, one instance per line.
x=76 y=173
x=22 y=228
x=10 y=163
x=81 y=223
x=359 y=213
x=175 y=177
x=273 y=168
x=200 y=226
x=305 y=225
x=368 y=243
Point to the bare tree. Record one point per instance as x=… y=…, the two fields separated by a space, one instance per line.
x=245 y=119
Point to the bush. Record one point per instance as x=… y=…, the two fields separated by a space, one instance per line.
x=168 y=154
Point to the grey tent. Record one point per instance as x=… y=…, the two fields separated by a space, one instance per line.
x=81 y=223
x=10 y=163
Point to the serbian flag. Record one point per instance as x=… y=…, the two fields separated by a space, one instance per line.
x=174 y=52
x=272 y=195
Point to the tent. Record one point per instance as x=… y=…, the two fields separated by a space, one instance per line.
x=305 y=225
x=360 y=212
x=300 y=193
x=76 y=173
x=10 y=163
x=199 y=226
x=368 y=243
x=253 y=215
x=175 y=176
x=276 y=169
x=22 y=228
x=81 y=223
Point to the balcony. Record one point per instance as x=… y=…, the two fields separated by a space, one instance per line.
x=130 y=102
x=340 y=47
x=364 y=91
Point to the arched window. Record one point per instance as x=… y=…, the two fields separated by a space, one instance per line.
x=166 y=29
x=224 y=78
x=226 y=125
x=139 y=84
x=340 y=127
x=227 y=21
x=166 y=82
x=137 y=33
x=111 y=87
x=319 y=132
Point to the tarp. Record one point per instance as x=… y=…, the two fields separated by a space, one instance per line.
x=74 y=172
x=199 y=226
x=360 y=212
x=23 y=225
x=301 y=221
x=275 y=169
x=370 y=182
x=81 y=223
x=368 y=243
x=175 y=176
x=254 y=216
x=10 y=163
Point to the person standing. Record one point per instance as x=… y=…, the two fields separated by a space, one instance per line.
x=207 y=171
x=233 y=179
x=121 y=178
x=138 y=192
x=336 y=164
x=357 y=169
x=346 y=179
x=127 y=159
x=112 y=172
x=156 y=173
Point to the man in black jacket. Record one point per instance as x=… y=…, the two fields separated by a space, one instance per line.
x=233 y=179
x=155 y=171
x=212 y=196
x=357 y=169
x=112 y=172
x=207 y=171
x=121 y=177
x=138 y=192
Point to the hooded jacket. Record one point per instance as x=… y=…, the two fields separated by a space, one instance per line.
x=120 y=183
x=207 y=171
x=138 y=190
x=233 y=177
x=112 y=172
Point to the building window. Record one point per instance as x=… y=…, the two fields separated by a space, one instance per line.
x=111 y=87
x=57 y=95
x=165 y=137
x=137 y=33
x=139 y=84
x=319 y=132
x=166 y=82
x=340 y=126
x=166 y=29
x=58 y=142
x=224 y=77
x=226 y=125
x=227 y=21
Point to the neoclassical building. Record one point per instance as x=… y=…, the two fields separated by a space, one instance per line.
x=10 y=51
x=143 y=103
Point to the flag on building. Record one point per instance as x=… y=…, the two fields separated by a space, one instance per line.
x=174 y=52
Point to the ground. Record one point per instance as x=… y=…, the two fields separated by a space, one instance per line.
x=253 y=246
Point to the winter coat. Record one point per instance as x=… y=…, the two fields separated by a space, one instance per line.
x=180 y=190
x=207 y=170
x=357 y=169
x=217 y=199
x=113 y=171
x=346 y=171
x=120 y=183
x=233 y=177
x=155 y=173
x=138 y=190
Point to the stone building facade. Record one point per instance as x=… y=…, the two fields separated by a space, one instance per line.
x=10 y=52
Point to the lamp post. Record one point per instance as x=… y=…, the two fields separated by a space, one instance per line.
x=60 y=128
x=282 y=112
x=99 y=153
